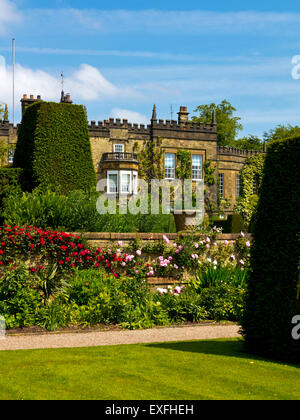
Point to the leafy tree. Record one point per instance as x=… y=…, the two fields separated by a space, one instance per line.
x=3 y=111
x=249 y=143
x=228 y=124
x=282 y=132
x=150 y=158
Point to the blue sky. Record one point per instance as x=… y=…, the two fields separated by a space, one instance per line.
x=120 y=58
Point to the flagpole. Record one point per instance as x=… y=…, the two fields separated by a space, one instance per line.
x=13 y=56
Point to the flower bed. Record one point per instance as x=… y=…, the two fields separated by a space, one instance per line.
x=69 y=251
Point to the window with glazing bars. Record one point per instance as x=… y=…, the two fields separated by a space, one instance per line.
x=197 y=167
x=238 y=186
x=221 y=185
x=170 y=166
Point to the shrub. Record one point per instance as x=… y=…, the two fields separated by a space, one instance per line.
x=76 y=212
x=223 y=302
x=9 y=179
x=272 y=299
x=53 y=147
x=19 y=300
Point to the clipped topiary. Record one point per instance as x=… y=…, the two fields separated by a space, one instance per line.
x=53 y=147
x=273 y=290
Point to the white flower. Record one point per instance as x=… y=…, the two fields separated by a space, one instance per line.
x=162 y=291
x=209 y=260
x=242 y=235
x=215 y=262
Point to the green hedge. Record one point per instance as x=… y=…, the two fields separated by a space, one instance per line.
x=53 y=147
x=272 y=299
x=233 y=224
x=9 y=179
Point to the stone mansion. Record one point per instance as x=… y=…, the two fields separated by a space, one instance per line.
x=113 y=143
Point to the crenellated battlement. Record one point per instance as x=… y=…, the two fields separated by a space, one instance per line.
x=155 y=125
x=232 y=151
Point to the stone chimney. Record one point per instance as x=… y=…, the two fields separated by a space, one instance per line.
x=183 y=115
x=25 y=101
x=65 y=99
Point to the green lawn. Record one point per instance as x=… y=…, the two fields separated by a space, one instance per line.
x=216 y=369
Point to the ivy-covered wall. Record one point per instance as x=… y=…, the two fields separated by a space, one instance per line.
x=250 y=180
x=54 y=148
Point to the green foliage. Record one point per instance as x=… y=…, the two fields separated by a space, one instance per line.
x=249 y=143
x=150 y=160
x=209 y=171
x=252 y=172
x=272 y=299
x=228 y=125
x=210 y=276
x=282 y=132
x=50 y=283
x=76 y=213
x=19 y=300
x=53 y=147
x=223 y=302
x=183 y=307
x=233 y=224
x=184 y=166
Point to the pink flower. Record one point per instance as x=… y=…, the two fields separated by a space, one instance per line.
x=248 y=244
x=166 y=239
x=138 y=252
x=207 y=240
x=226 y=243
x=207 y=246
x=120 y=243
x=196 y=246
x=242 y=262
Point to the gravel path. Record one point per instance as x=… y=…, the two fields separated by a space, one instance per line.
x=109 y=338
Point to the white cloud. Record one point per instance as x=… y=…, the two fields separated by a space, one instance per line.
x=86 y=84
x=8 y=15
x=131 y=116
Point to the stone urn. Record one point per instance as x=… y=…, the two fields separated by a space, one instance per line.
x=188 y=220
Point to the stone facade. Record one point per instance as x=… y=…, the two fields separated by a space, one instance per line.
x=114 y=142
